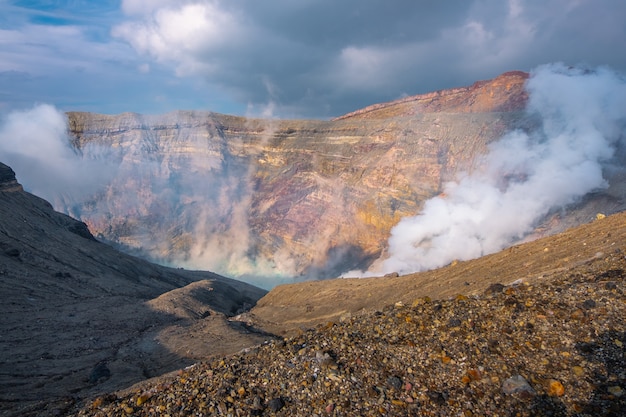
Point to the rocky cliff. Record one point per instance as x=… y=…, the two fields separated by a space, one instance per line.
x=7 y=179
x=293 y=198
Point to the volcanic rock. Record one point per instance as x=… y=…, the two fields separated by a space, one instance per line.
x=80 y=318
x=8 y=182
x=296 y=198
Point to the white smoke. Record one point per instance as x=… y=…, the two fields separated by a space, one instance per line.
x=523 y=177
x=36 y=145
x=229 y=248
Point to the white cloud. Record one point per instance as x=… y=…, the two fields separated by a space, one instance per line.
x=35 y=144
x=183 y=35
x=361 y=50
x=366 y=66
x=484 y=42
x=524 y=176
x=43 y=49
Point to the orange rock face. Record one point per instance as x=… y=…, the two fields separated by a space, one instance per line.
x=504 y=93
x=292 y=198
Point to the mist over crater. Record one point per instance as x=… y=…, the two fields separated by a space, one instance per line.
x=272 y=201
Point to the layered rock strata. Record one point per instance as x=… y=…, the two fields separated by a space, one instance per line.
x=295 y=198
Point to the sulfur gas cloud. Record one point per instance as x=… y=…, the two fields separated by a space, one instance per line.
x=523 y=177
x=35 y=143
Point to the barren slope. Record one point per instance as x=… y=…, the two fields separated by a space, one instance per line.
x=551 y=343
x=80 y=318
x=289 y=308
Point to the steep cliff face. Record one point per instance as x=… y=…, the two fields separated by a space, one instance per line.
x=291 y=198
x=8 y=182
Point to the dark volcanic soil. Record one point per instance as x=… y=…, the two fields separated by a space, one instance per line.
x=78 y=318
x=534 y=331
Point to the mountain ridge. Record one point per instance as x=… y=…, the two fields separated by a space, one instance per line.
x=504 y=93
x=275 y=201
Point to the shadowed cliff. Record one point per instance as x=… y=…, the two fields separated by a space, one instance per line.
x=79 y=317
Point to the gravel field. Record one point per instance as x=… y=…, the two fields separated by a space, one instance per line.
x=553 y=347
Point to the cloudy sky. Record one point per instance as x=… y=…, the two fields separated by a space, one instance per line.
x=284 y=58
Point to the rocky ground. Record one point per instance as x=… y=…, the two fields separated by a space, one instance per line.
x=549 y=345
x=537 y=329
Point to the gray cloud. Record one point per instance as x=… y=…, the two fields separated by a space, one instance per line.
x=325 y=58
x=308 y=58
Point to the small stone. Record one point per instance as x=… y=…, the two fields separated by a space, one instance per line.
x=257 y=404
x=616 y=391
x=436 y=397
x=15 y=253
x=517 y=384
x=555 y=388
x=394 y=382
x=618 y=343
x=142 y=398
x=99 y=373
x=578 y=371
x=454 y=322
x=329 y=408
x=276 y=404
x=325 y=360
x=474 y=374
x=589 y=304
x=578 y=315
x=496 y=288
